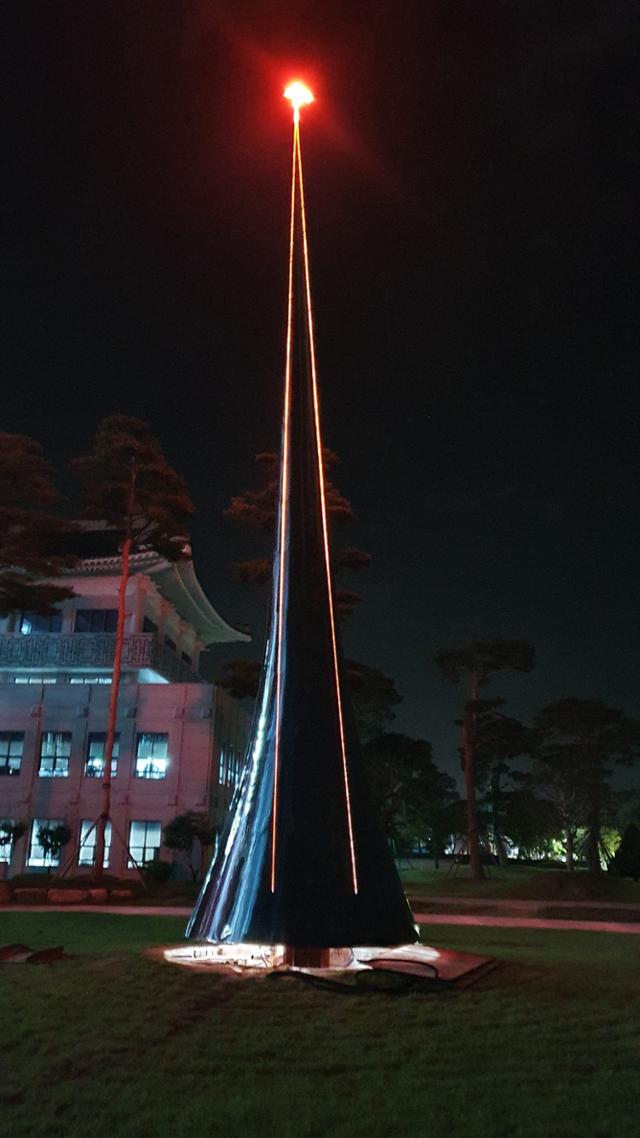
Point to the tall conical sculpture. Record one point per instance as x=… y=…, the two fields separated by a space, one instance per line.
x=302 y=862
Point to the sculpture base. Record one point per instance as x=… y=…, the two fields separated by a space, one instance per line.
x=420 y=960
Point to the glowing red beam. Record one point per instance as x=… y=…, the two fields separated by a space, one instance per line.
x=325 y=527
x=301 y=96
x=284 y=516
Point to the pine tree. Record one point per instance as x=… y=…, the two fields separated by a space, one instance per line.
x=374 y=694
x=257 y=510
x=32 y=539
x=579 y=743
x=626 y=860
x=499 y=740
x=128 y=482
x=477 y=662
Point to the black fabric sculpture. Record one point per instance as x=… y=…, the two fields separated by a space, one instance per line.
x=302 y=861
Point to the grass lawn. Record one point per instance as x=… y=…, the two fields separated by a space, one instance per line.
x=114 y=1044
x=520 y=882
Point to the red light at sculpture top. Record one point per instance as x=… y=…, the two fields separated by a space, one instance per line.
x=299 y=95
x=302 y=863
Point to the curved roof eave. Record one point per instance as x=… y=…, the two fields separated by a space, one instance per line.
x=178 y=582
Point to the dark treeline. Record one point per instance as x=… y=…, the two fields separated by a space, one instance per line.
x=539 y=790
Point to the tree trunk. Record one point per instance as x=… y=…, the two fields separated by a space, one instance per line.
x=105 y=812
x=569 y=851
x=501 y=849
x=468 y=752
x=593 y=840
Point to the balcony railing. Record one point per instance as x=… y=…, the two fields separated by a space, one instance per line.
x=93 y=650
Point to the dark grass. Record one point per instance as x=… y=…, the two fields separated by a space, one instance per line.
x=518 y=882
x=112 y=1043
x=89 y=932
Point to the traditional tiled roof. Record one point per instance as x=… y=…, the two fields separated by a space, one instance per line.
x=177 y=582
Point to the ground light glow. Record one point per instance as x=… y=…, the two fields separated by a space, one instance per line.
x=266 y=957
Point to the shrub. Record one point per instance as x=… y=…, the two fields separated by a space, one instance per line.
x=157 y=870
x=626 y=861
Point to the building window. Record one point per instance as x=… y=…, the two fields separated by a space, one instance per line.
x=152 y=759
x=6 y=842
x=186 y=657
x=87 y=852
x=55 y=749
x=96 y=620
x=11 y=744
x=36 y=854
x=169 y=643
x=144 y=842
x=229 y=768
x=31 y=622
x=34 y=680
x=90 y=680
x=94 y=765
x=148 y=625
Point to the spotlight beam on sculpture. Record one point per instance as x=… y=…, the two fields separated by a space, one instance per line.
x=302 y=862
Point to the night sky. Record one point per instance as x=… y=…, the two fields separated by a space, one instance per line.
x=471 y=179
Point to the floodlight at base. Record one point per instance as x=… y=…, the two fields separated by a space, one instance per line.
x=269 y=957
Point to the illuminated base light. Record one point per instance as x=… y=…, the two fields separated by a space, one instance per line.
x=272 y=957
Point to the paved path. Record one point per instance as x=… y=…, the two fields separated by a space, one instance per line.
x=526 y=923
x=115 y=910
x=524 y=906
x=420 y=918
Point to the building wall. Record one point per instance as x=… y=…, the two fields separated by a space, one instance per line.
x=143 y=600
x=206 y=732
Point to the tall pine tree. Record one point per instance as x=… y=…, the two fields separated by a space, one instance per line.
x=32 y=538
x=476 y=663
x=128 y=482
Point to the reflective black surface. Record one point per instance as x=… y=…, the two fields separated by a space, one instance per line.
x=329 y=878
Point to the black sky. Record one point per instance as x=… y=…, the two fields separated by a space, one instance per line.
x=471 y=174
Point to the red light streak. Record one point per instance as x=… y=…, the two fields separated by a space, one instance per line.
x=284 y=511
x=325 y=528
x=300 y=96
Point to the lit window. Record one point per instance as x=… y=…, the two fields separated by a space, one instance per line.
x=34 y=680
x=6 y=844
x=31 y=622
x=55 y=749
x=90 y=680
x=228 y=768
x=87 y=852
x=94 y=765
x=96 y=620
x=11 y=744
x=144 y=841
x=152 y=759
x=36 y=855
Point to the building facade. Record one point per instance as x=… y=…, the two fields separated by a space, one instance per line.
x=180 y=740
